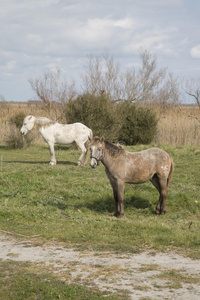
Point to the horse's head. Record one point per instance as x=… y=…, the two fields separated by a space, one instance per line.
x=96 y=149
x=28 y=124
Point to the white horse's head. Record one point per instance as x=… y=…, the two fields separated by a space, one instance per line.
x=28 y=124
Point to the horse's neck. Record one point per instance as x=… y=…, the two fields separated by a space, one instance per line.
x=40 y=123
x=108 y=159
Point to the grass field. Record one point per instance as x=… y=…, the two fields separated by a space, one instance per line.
x=21 y=282
x=75 y=204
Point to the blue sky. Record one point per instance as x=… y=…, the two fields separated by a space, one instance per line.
x=38 y=35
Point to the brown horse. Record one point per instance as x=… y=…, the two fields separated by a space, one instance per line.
x=122 y=166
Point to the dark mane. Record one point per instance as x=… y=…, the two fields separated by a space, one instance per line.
x=114 y=150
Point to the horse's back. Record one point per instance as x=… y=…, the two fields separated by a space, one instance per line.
x=69 y=133
x=155 y=156
x=159 y=160
x=139 y=167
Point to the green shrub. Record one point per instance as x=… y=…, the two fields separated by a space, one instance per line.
x=14 y=139
x=97 y=112
x=18 y=119
x=125 y=122
x=138 y=124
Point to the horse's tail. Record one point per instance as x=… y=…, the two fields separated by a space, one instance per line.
x=90 y=136
x=170 y=173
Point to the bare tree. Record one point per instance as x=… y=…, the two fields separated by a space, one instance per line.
x=54 y=91
x=104 y=74
x=149 y=77
x=169 y=92
x=101 y=76
x=192 y=89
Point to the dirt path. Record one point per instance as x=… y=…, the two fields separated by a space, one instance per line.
x=143 y=276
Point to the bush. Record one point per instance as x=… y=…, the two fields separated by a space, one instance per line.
x=97 y=112
x=17 y=119
x=125 y=122
x=14 y=139
x=139 y=124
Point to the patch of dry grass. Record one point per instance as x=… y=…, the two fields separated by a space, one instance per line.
x=179 y=127
x=176 y=126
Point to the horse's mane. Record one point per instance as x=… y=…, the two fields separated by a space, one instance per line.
x=43 y=122
x=114 y=150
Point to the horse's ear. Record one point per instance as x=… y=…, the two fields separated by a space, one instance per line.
x=102 y=139
x=30 y=117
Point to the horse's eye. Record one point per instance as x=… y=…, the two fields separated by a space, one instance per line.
x=99 y=149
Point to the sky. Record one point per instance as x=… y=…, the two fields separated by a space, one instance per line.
x=40 y=35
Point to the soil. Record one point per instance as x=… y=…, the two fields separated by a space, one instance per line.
x=139 y=276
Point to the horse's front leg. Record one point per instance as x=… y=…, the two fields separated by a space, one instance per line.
x=118 y=192
x=52 y=154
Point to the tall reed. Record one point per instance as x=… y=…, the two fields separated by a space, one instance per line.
x=178 y=126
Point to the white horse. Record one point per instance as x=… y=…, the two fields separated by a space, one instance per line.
x=55 y=133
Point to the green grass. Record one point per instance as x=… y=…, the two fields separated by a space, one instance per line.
x=75 y=204
x=18 y=282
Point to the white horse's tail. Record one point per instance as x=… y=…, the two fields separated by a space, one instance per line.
x=90 y=136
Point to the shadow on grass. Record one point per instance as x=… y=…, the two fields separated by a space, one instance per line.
x=101 y=205
x=108 y=204
x=40 y=162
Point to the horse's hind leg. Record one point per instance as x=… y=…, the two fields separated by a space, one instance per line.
x=83 y=154
x=161 y=185
x=164 y=190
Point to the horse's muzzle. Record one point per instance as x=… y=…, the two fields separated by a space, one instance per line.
x=93 y=163
x=23 y=132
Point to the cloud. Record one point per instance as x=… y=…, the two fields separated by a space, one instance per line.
x=39 y=34
x=157 y=40
x=11 y=65
x=98 y=32
x=34 y=38
x=195 y=51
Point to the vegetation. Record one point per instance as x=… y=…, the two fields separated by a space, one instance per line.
x=125 y=122
x=17 y=119
x=23 y=282
x=138 y=124
x=13 y=138
x=97 y=112
x=76 y=206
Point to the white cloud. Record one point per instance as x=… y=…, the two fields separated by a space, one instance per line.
x=34 y=38
x=11 y=65
x=98 y=31
x=151 y=40
x=195 y=51
x=163 y=3
x=38 y=34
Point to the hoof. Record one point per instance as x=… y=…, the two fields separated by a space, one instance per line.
x=52 y=163
x=118 y=215
x=160 y=212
